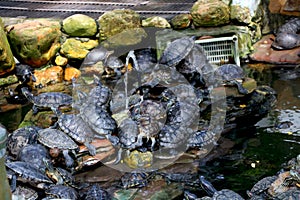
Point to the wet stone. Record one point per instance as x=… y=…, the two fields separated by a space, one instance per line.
x=48 y=76
x=156 y=21
x=79 y=25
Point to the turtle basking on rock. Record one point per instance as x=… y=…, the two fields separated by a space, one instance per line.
x=51 y=100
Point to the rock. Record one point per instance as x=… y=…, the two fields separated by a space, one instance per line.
x=61 y=61
x=8 y=80
x=125 y=38
x=70 y=73
x=74 y=48
x=156 y=21
x=210 y=13
x=42 y=119
x=46 y=76
x=243 y=11
x=79 y=25
x=35 y=42
x=7 y=62
x=264 y=53
x=116 y=21
x=138 y=159
x=284 y=7
x=181 y=21
x=240 y=14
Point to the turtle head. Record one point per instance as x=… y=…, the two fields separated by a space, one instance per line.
x=27 y=94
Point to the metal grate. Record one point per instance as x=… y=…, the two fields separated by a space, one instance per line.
x=221 y=50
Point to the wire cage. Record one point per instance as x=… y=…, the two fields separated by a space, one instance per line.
x=221 y=50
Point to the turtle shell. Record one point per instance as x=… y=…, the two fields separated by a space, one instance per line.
x=263 y=185
x=229 y=72
x=114 y=62
x=134 y=179
x=62 y=192
x=97 y=54
x=226 y=194
x=34 y=154
x=20 y=138
x=54 y=138
x=28 y=172
x=76 y=128
x=95 y=192
x=52 y=99
x=176 y=51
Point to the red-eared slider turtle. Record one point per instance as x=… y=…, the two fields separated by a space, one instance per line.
x=150 y=117
x=77 y=129
x=223 y=194
x=94 y=192
x=100 y=121
x=27 y=173
x=60 y=176
x=51 y=100
x=114 y=63
x=95 y=55
x=200 y=139
x=25 y=192
x=61 y=192
x=292 y=194
x=20 y=138
x=54 y=138
x=135 y=179
x=100 y=95
x=127 y=134
x=294 y=178
x=260 y=188
x=231 y=74
x=177 y=50
x=34 y=154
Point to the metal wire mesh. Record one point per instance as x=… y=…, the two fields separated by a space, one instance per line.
x=221 y=50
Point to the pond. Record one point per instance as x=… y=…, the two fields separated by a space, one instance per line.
x=246 y=153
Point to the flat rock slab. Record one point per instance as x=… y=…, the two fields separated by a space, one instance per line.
x=264 y=53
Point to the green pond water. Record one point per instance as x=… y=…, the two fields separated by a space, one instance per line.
x=255 y=152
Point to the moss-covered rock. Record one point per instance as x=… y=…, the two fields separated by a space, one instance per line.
x=210 y=13
x=125 y=38
x=74 y=48
x=181 y=21
x=156 y=21
x=240 y=14
x=7 y=62
x=35 y=42
x=116 y=21
x=79 y=25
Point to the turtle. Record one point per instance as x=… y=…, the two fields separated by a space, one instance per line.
x=61 y=192
x=200 y=139
x=27 y=173
x=223 y=194
x=60 y=176
x=135 y=179
x=24 y=73
x=48 y=99
x=114 y=63
x=292 y=194
x=76 y=128
x=100 y=121
x=97 y=54
x=150 y=116
x=127 y=134
x=293 y=178
x=94 y=192
x=20 y=138
x=54 y=138
x=177 y=50
x=260 y=188
x=230 y=74
x=25 y=192
x=99 y=95
x=34 y=154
